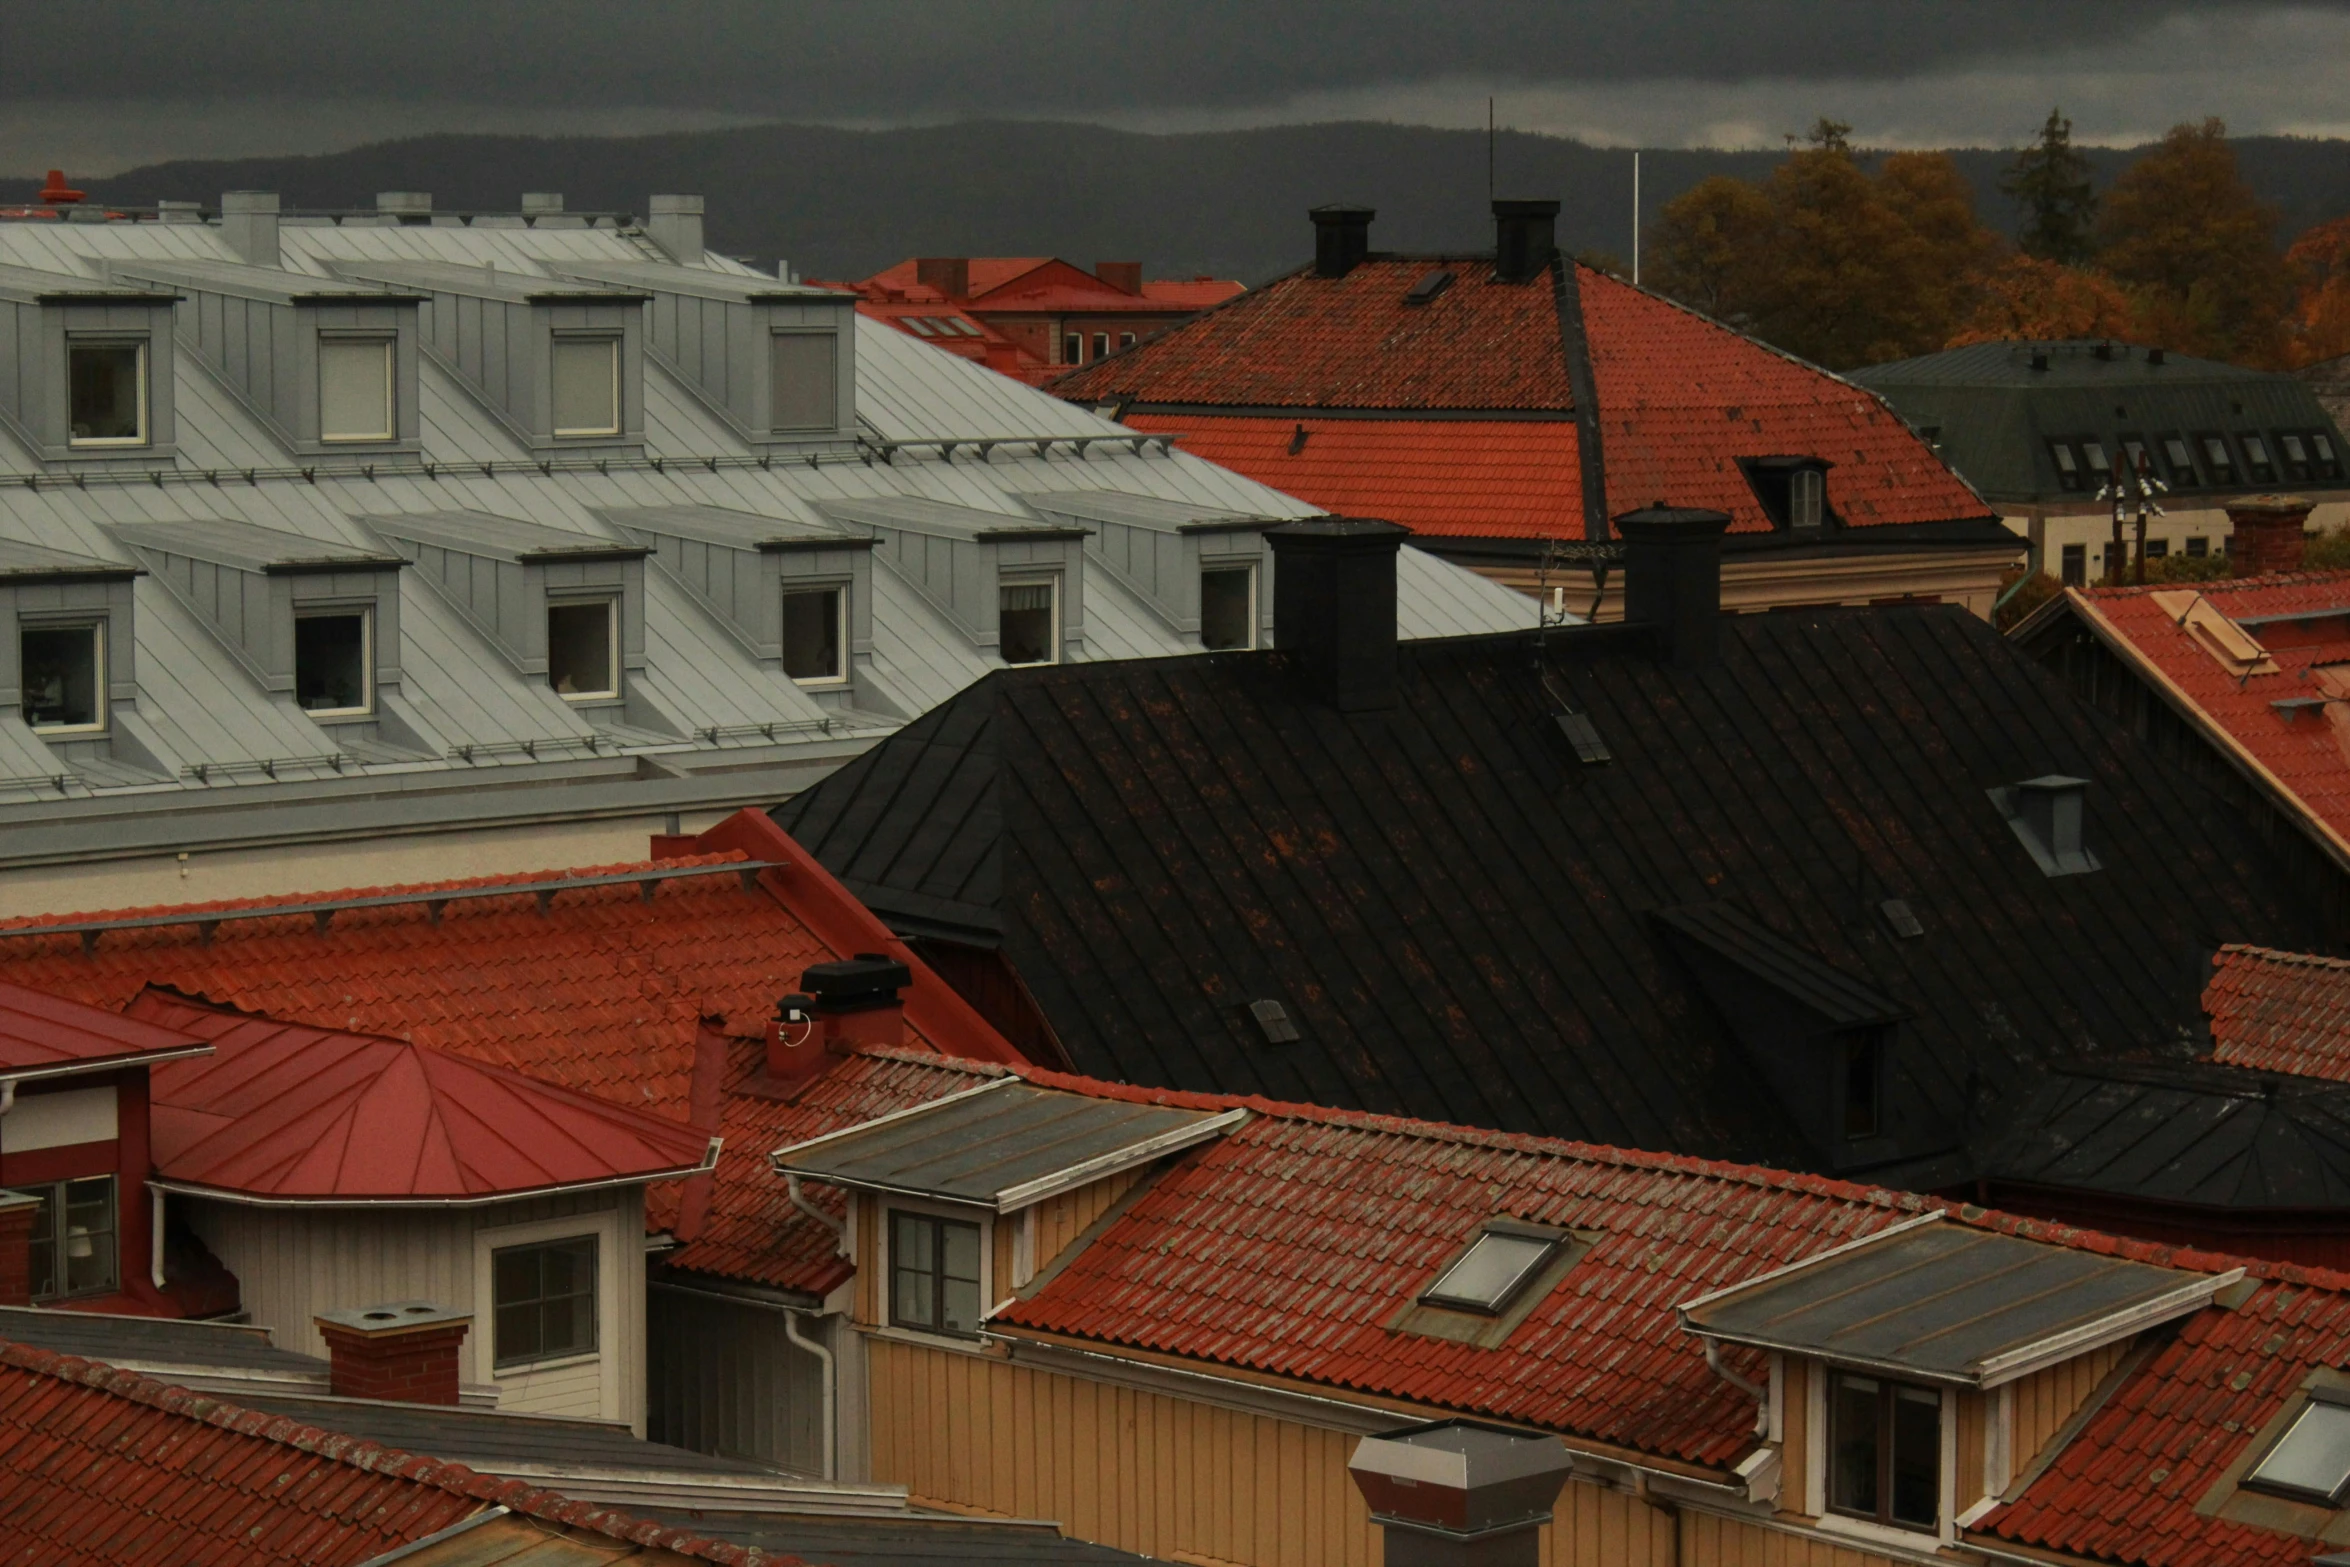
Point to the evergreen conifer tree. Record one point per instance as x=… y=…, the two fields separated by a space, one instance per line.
x=2050 y=181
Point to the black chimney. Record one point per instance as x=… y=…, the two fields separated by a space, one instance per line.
x=1525 y=237
x=1342 y=237
x=1334 y=606
x=1673 y=577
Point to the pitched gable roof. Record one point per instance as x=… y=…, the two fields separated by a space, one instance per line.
x=2280 y=1011
x=1450 y=906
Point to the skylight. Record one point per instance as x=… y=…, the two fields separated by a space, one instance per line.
x=2312 y=1460
x=1492 y=1271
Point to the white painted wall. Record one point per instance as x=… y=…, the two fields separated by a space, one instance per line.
x=59 y=1119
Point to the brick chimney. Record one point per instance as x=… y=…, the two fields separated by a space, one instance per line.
x=1334 y=607
x=1673 y=577
x=840 y=1006
x=2267 y=533
x=404 y=1352
x=950 y=275
x=1124 y=276
x=16 y=1247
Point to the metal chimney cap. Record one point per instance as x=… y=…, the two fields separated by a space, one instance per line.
x=1662 y=521
x=1461 y=1455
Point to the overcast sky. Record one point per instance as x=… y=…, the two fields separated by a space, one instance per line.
x=100 y=85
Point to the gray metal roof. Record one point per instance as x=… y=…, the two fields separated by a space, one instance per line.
x=1948 y=1304
x=1146 y=511
x=224 y=541
x=157 y=1342
x=1003 y=1146
x=497 y=538
x=21 y=560
x=484 y=282
x=944 y=519
x=734 y=529
x=275 y=285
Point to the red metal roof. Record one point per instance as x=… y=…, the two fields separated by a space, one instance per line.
x=100 y=1467
x=1046 y=283
x=2302 y=748
x=296 y=1113
x=1681 y=399
x=43 y=1035
x=2280 y=1011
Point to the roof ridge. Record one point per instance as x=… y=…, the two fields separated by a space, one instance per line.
x=2269 y=579
x=297 y=902
x=377 y=1457
x=2280 y=955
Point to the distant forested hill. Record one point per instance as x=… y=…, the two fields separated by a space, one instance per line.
x=841 y=203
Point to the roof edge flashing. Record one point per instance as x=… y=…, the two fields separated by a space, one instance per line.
x=1028 y=1193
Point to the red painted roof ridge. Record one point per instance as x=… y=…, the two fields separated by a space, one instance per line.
x=357 y=1453
x=295 y=902
x=2214 y=587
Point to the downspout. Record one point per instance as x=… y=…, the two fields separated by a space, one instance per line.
x=155 y=1239
x=799 y=1200
x=791 y=1330
x=1761 y=1396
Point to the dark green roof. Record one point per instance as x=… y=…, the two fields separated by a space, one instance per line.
x=1998 y=420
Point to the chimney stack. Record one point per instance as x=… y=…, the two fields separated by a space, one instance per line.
x=1525 y=237
x=2268 y=533
x=1334 y=606
x=950 y=275
x=16 y=1247
x=248 y=221
x=1673 y=577
x=841 y=1006
x=1124 y=276
x=1460 y=1494
x=675 y=224
x=1342 y=237
x=404 y=1352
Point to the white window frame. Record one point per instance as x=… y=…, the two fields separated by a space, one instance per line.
x=390 y=344
x=481 y=1347
x=611 y=603
x=146 y=357
x=885 y=1275
x=323 y=611
x=100 y=632
x=1029 y=579
x=1816 y=1378
x=1255 y=605
x=607 y=340
x=840 y=611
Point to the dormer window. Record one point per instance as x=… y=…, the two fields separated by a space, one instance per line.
x=583 y=649
x=805 y=366
x=1028 y=623
x=357 y=390
x=1793 y=490
x=2180 y=461
x=2216 y=460
x=106 y=388
x=2311 y=1461
x=2068 y=466
x=815 y=635
x=64 y=672
x=2257 y=460
x=334 y=663
x=1497 y=1266
x=1228 y=607
x=1884 y=1451
x=586 y=393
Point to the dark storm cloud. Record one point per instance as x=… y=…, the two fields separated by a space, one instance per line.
x=893 y=60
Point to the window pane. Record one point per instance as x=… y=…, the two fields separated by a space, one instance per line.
x=2182 y=462
x=912 y=1271
x=2215 y=451
x=1917 y=1456
x=579 y=649
x=2314 y=1456
x=89 y=1247
x=2065 y=463
x=355 y=389
x=1072 y=349
x=2076 y=565
x=1852 y=1432
x=2093 y=453
x=330 y=662
x=545 y=1298
x=2198 y=548
x=61 y=676
x=1101 y=345
x=2157 y=549
x=803 y=387
x=811 y=634
x=959 y=1304
x=587 y=386
x=106 y=392
x=1494 y=1267
x=1227 y=617
x=1025 y=629
x=2256 y=451
x=518 y=1334
x=1807 y=491
x=2295 y=452
x=44 y=1243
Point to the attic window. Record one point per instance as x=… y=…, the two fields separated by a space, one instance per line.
x=2217 y=462
x=1864 y=1082
x=355 y=389
x=1902 y=918
x=2311 y=1460
x=1793 y=490
x=2256 y=459
x=1497 y=1265
x=2328 y=466
x=2296 y=453
x=2093 y=454
x=1028 y=621
x=1807 y=490
x=64 y=675
x=1272 y=1019
x=583 y=649
x=2048 y=815
x=805 y=368
x=1590 y=747
x=2068 y=467
x=331 y=663
x=812 y=635
x=586 y=372
x=106 y=387
x=2181 y=462
x=1227 y=607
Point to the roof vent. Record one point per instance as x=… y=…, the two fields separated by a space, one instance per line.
x=2155 y=356
x=1429 y=287
x=541 y=203
x=2040 y=359
x=675 y=224
x=1901 y=918
x=1342 y=237
x=1461 y=1491
x=1273 y=1021
x=2049 y=815
x=248 y=222
x=1590 y=749
x=56 y=193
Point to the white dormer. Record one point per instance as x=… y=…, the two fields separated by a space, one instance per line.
x=86 y=367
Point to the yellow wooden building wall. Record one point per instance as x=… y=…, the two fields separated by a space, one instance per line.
x=2045 y=1400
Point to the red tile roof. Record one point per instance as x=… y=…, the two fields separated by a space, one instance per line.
x=1680 y=399
x=100 y=1467
x=2280 y=1011
x=43 y=1035
x=2301 y=751
x=1045 y=283
x=294 y=1113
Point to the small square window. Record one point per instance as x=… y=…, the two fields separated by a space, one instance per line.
x=78 y=1256
x=331 y=663
x=545 y=1300
x=2198 y=548
x=1884 y=1451
x=1228 y=607
x=1101 y=345
x=2157 y=549
x=1490 y=1273
x=586 y=374
x=64 y=674
x=2076 y=565
x=106 y=390
x=812 y=635
x=933 y=1274
x=806 y=369
x=583 y=649
x=1028 y=622
x=355 y=389
x=2312 y=1459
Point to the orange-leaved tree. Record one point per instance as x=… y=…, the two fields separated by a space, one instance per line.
x=2197 y=250
x=2320 y=259
x=2027 y=297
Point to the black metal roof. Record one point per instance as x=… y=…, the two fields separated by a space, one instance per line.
x=158 y=1341
x=1949 y=1304
x=1454 y=910
x=877 y=1542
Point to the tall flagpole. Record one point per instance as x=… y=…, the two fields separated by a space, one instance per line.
x=1635 y=218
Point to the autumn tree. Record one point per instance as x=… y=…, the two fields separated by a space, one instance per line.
x=2050 y=181
x=2320 y=262
x=2196 y=247
x=2027 y=297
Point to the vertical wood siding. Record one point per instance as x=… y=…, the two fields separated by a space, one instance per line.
x=1060 y=1220
x=722 y=1378
x=2045 y=1400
